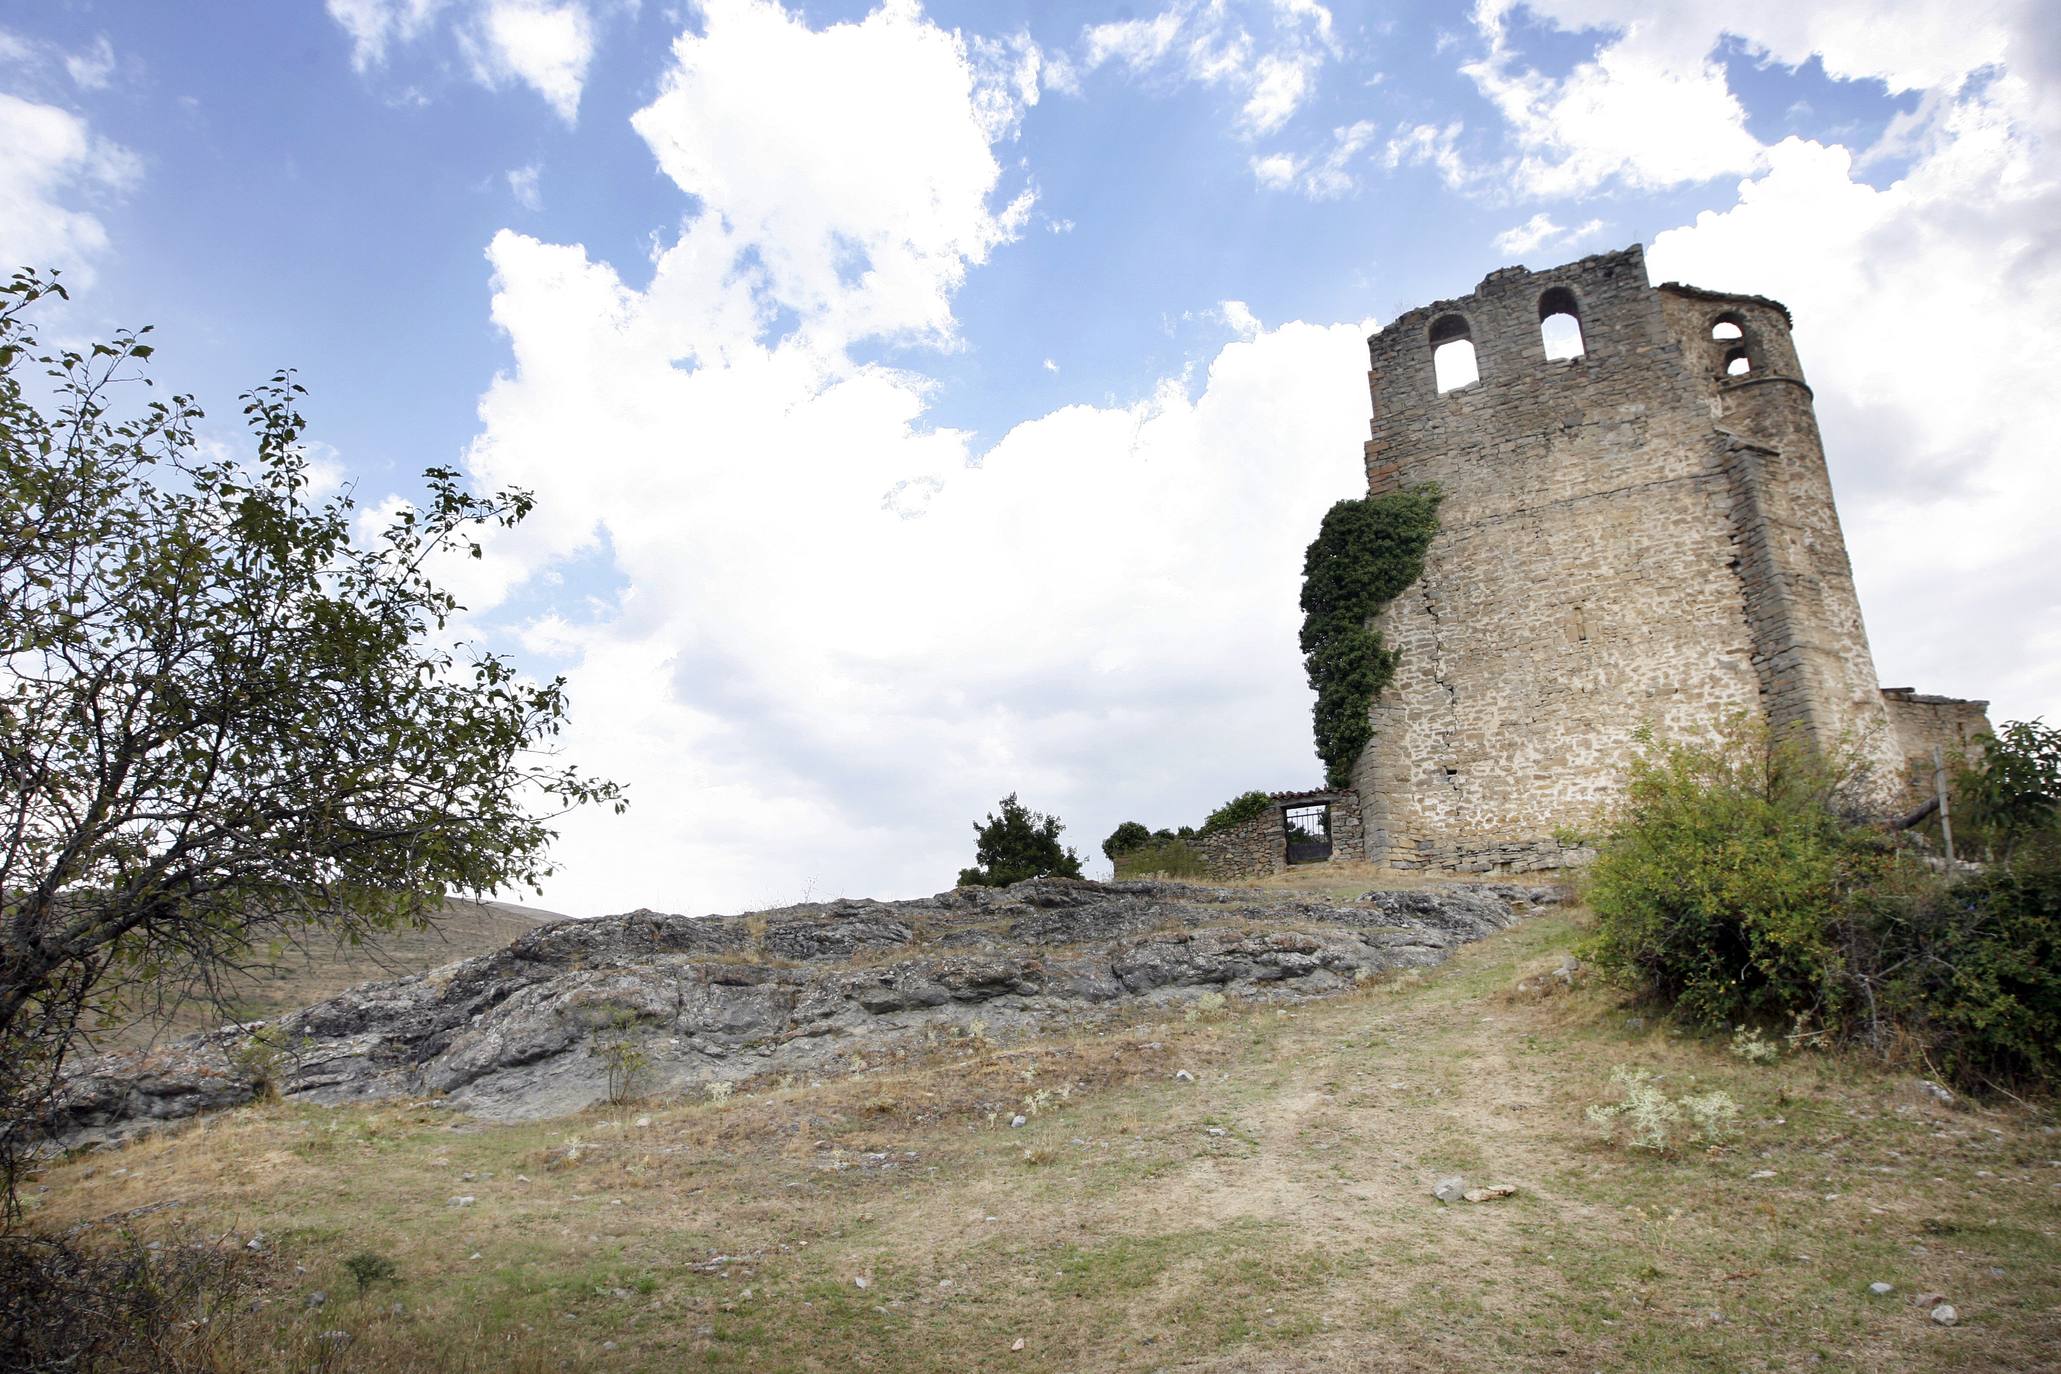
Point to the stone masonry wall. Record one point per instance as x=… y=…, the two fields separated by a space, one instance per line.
x=1260 y=845
x=1628 y=538
x=1922 y=722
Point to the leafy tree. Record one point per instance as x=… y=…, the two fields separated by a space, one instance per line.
x=224 y=723
x=1366 y=553
x=1237 y=811
x=2014 y=793
x=1018 y=844
x=1126 y=837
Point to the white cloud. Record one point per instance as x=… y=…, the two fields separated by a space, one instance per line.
x=844 y=633
x=1432 y=145
x=1540 y=231
x=1207 y=44
x=375 y=26
x=1648 y=111
x=1276 y=171
x=50 y=156
x=90 y=70
x=1238 y=315
x=546 y=45
x=826 y=153
x=1051 y=366
x=1325 y=177
x=523 y=184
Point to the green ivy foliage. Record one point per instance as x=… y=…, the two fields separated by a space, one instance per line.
x=1366 y=553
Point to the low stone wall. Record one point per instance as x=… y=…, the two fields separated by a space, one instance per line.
x=1922 y=721
x=1260 y=846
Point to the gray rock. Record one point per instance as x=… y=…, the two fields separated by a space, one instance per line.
x=464 y=1200
x=1881 y=1290
x=315 y=1299
x=1941 y=1095
x=1450 y=1189
x=509 y=1035
x=1945 y=1314
x=1016 y=1120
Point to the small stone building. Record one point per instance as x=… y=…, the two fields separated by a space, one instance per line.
x=1299 y=828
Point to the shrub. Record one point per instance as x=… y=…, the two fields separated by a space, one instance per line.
x=1642 y=1106
x=623 y=1060
x=1237 y=811
x=1972 y=970
x=1750 y=1045
x=1125 y=838
x=1722 y=889
x=368 y=1268
x=123 y=1306
x=1647 y=1117
x=1739 y=888
x=1016 y=845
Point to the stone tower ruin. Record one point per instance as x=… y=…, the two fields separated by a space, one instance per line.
x=1641 y=534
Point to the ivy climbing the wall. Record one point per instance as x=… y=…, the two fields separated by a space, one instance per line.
x=1365 y=555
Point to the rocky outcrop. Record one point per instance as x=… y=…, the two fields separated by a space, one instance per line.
x=515 y=1033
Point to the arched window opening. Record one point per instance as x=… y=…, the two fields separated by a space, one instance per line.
x=1562 y=335
x=1726 y=329
x=1737 y=364
x=1452 y=354
x=1560 y=324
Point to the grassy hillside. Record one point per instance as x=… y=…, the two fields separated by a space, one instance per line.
x=299 y=977
x=1275 y=1212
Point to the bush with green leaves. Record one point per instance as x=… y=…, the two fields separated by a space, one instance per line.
x=1366 y=553
x=1126 y=837
x=2011 y=795
x=1722 y=889
x=1740 y=888
x=1017 y=844
x=1971 y=969
x=1236 y=812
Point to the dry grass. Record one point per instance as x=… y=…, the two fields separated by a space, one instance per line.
x=1273 y=1213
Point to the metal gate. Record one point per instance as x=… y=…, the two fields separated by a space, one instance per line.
x=1309 y=832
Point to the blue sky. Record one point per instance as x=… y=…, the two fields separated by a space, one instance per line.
x=931 y=402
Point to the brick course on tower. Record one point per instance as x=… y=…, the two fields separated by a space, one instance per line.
x=1640 y=535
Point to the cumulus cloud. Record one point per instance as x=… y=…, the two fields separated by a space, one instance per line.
x=50 y=162
x=842 y=631
x=546 y=45
x=1207 y=43
x=1651 y=109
